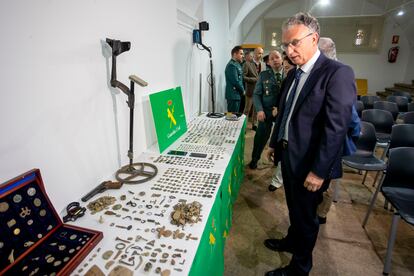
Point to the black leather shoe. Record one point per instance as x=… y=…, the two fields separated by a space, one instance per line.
x=286 y=271
x=253 y=165
x=272 y=188
x=321 y=220
x=278 y=245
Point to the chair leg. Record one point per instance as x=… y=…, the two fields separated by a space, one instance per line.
x=336 y=190
x=391 y=242
x=374 y=198
x=365 y=176
x=375 y=179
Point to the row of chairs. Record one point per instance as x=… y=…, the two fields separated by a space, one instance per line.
x=398 y=173
x=404 y=103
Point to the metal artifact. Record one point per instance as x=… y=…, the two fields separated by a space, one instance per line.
x=101 y=203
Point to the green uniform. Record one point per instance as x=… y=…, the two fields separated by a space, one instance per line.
x=234 y=85
x=265 y=97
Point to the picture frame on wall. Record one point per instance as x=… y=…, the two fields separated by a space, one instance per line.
x=395 y=39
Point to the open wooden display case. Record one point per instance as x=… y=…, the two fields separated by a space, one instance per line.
x=33 y=238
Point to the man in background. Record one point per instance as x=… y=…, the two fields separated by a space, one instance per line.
x=250 y=77
x=234 y=80
x=265 y=99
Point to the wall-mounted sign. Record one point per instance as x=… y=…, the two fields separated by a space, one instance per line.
x=395 y=39
x=169 y=116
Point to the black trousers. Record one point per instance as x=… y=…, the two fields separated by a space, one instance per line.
x=302 y=205
x=260 y=138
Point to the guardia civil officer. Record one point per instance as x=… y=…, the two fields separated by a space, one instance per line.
x=234 y=80
x=265 y=100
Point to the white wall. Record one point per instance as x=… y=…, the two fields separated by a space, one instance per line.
x=57 y=110
x=375 y=67
x=409 y=72
x=372 y=66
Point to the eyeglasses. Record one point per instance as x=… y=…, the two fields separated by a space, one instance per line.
x=294 y=43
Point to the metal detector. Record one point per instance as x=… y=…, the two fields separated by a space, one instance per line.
x=133 y=173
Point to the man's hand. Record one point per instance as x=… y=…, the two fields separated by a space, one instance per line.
x=274 y=111
x=270 y=154
x=313 y=182
x=261 y=116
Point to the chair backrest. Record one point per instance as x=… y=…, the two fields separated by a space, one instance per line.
x=404 y=94
x=410 y=107
x=369 y=101
x=362 y=86
x=381 y=119
x=389 y=106
x=408 y=117
x=400 y=169
x=359 y=106
x=401 y=101
x=367 y=139
x=402 y=135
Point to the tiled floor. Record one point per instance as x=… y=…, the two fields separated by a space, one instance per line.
x=343 y=246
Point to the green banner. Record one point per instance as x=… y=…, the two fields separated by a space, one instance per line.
x=169 y=117
x=209 y=259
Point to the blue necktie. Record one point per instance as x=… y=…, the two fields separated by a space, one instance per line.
x=288 y=105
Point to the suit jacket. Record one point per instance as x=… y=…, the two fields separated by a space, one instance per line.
x=320 y=119
x=266 y=93
x=250 y=77
x=234 y=80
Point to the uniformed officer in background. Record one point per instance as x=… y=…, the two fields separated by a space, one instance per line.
x=265 y=100
x=234 y=80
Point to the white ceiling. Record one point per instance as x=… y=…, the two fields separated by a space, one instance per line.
x=250 y=11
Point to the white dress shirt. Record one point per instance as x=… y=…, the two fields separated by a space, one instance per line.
x=306 y=68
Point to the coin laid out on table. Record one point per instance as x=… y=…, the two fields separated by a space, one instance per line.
x=37 y=202
x=4 y=206
x=31 y=191
x=17 y=198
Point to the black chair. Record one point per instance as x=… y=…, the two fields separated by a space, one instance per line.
x=359 y=106
x=408 y=117
x=369 y=101
x=398 y=188
x=404 y=94
x=364 y=159
x=410 y=107
x=389 y=106
x=382 y=121
x=402 y=135
x=401 y=101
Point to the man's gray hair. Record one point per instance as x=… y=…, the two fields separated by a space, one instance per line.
x=302 y=19
x=327 y=46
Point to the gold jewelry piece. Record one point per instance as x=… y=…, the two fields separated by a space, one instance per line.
x=25 y=212
x=11 y=223
x=42 y=213
x=17 y=198
x=57 y=263
x=28 y=243
x=37 y=202
x=4 y=206
x=11 y=258
x=31 y=191
x=50 y=259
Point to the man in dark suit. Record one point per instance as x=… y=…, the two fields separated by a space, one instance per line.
x=234 y=80
x=250 y=77
x=314 y=114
